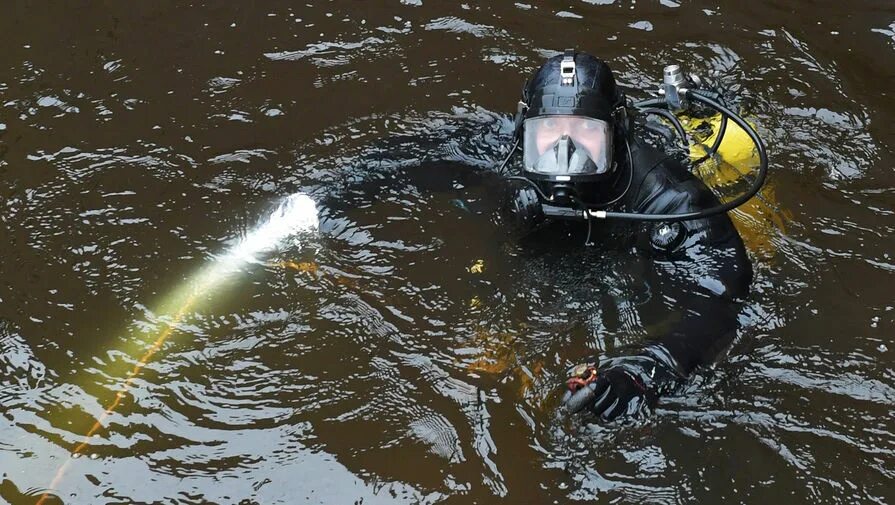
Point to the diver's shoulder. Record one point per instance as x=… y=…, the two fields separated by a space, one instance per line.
x=655 y=175
x=646 y=157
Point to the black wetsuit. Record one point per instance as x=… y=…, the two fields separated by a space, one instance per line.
x=702 y=263
x=661 y=185
x=700 y=267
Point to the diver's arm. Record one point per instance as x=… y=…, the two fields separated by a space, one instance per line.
x=702 y=268
x=699 y=270
x=706 y=325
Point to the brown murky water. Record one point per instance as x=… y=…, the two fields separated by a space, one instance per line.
x=404 y=353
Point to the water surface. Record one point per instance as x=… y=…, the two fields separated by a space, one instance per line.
x=409 y=351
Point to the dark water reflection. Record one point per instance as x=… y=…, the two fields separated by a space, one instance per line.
x=373 y=361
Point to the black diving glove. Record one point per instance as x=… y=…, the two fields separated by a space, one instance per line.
x=620 y=388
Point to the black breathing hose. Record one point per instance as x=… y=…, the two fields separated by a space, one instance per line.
x=715 y=145
x=757 y=183
x=509 y=155
x=531 y=183
x=650 y=106
x=672 y=119
x=649 y=102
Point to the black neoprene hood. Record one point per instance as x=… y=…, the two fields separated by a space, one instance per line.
x=593 y=92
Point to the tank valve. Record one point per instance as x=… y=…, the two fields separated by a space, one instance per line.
x=674 y=88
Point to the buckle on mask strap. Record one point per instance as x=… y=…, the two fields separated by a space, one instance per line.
x=567 y=68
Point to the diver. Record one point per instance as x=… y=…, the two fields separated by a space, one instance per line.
x=586 y=162
x=582 y=161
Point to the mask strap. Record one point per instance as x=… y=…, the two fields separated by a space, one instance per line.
x=521 y=109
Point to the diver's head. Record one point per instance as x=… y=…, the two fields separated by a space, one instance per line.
x=572 y=125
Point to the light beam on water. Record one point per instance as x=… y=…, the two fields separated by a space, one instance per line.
x=295 y=214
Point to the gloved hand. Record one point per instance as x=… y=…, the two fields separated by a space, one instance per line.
x=615 y=390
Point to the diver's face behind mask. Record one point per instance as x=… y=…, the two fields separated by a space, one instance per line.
x=562 y=147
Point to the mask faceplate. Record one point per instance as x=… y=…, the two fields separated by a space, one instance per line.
x=559 y=145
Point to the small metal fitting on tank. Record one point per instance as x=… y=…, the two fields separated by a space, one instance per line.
x=674 y=83
x=674 y=75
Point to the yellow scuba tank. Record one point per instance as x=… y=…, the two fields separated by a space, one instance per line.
x=736 y=150
x=736 y=159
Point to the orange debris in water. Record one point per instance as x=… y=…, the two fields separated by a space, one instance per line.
x=304 y=266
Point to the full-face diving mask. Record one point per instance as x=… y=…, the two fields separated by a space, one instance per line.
x=567 y=147
x=570 y=115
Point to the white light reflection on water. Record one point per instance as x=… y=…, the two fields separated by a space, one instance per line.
x=296 y=214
